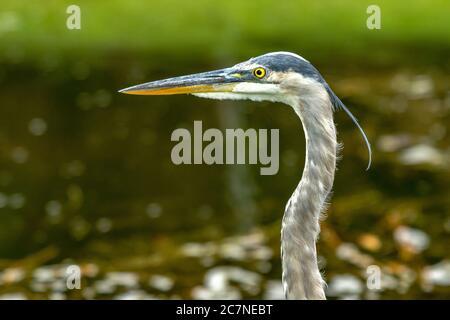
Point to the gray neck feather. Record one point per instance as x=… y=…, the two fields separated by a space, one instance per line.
x=300 y=227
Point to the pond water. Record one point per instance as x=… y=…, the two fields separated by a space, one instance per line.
x=86 y=179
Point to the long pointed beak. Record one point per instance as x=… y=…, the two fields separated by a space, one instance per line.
x=223 y=80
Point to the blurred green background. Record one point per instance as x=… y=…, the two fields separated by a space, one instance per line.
x=86 y=176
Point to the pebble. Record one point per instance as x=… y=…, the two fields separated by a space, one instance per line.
x=161 y=283
x=134 y=295
x=413 y=239
x=392 y=143
x=217 y=283
x=437 y=274
x=345 y=285
x=421 y=154
x=11 y=275
x=125 y=279
x=13 y=296
x=349 y=252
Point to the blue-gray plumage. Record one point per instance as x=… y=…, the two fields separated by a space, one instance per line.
x=283 y=62
x=290 y=79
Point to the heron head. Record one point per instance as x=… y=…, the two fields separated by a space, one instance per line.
x=278 y=76
x=274 y=76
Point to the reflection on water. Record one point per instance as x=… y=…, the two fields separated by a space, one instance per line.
x=86 y=179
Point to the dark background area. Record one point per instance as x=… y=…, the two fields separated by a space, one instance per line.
x=86 y=176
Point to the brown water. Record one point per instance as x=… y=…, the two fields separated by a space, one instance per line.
x=86 y=178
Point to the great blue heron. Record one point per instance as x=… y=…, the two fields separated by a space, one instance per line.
x=290 y=79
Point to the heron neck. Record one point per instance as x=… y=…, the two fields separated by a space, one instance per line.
x=300 y=227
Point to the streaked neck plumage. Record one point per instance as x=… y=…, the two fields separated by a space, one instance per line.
x=300 y=227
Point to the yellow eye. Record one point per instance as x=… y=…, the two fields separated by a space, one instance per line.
x=259 y=72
